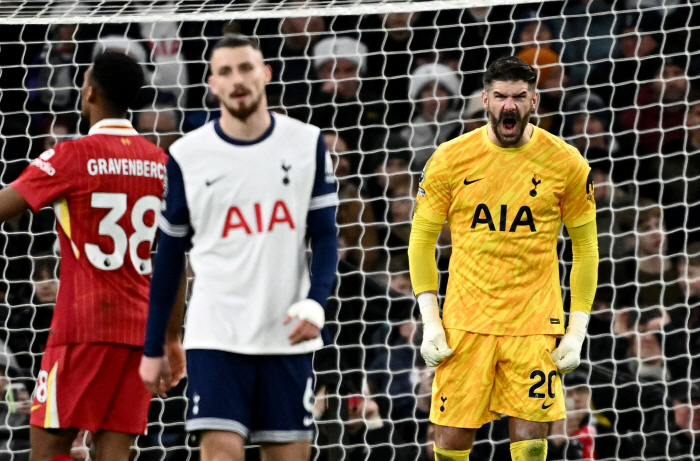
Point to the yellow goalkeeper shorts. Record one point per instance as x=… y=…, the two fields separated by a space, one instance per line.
x=489 y=376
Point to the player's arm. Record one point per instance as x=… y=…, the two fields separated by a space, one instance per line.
x=169 y=265
x=578 y=213
x=324 y=261
x=424 y=276
x=11 y=203
x=584 y=272
x=432 y=207
x=166 y=284
x=174 y=331
x=323 y=233
x=48 y=177
x=583 y=281
x=173 y=336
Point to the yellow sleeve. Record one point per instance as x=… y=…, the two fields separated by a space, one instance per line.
x=584 y=273
x=434 y=189
x=578 y=202
x=421 y=254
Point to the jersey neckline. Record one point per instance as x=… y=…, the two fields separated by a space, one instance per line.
x=240 y=142
x=510 y=150
x=114 y=126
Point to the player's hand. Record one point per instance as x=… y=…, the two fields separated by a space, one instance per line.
x=567 y=357
x=176 y=358
x=155 y=374
x=303 y=331
x=434 y=348
x=24 y=407
x=311 y=319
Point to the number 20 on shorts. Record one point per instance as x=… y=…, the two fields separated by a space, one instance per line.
x=540 y=376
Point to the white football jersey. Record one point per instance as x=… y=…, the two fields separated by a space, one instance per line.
x=246 y=213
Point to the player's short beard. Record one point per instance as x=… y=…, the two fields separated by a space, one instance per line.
x=496 y=122
x=243 y=111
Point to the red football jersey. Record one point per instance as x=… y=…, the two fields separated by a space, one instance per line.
x=586 y=435
x=106 y=190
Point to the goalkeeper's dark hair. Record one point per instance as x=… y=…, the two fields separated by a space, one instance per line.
x=118 y=78
x=510 y=69
x=235 y=41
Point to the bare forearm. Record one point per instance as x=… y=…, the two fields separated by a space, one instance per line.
x=11 y=203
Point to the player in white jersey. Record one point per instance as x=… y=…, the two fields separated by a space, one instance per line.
x=246 y=191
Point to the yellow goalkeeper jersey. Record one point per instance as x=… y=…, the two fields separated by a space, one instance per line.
x=505 y=208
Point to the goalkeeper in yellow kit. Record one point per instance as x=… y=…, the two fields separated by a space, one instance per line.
x=504 y=190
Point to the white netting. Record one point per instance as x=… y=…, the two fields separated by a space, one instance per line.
x=100 y=11
x=617 y=80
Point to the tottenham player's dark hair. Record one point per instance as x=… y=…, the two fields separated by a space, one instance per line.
x=118 y=78
x=510 y=69
x=235 y=41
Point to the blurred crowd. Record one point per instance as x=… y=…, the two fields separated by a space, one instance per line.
x=618 y=80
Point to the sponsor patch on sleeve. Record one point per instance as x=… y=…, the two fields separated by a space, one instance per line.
x=590 y=186
x=44 y=166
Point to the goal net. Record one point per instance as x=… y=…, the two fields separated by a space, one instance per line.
x=387 y=82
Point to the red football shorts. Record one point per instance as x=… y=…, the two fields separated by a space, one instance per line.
x=91 y=386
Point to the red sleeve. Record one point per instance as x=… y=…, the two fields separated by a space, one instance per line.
x=48 y=177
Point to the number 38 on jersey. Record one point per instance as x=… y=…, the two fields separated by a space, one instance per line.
x=143 y=222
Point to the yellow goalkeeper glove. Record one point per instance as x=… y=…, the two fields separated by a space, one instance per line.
x=434 y=348
x=567 y=356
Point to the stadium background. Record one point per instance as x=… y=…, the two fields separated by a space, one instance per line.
x=618 y=79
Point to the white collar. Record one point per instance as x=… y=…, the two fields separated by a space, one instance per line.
x=115 y=126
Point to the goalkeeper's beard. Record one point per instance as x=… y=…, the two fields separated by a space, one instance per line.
x=243 y=111
x=496 y=123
